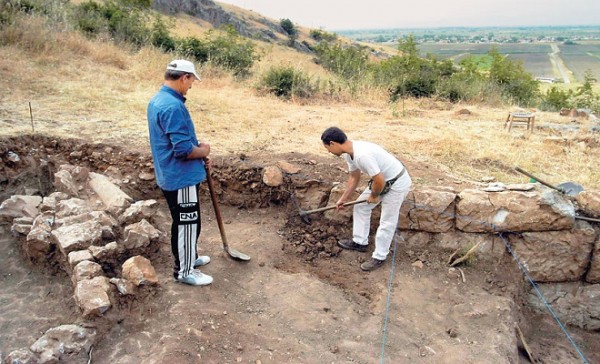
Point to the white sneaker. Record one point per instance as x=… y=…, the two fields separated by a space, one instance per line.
x=202 y=260
x=196 y=278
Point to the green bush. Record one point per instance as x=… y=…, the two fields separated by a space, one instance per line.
x=226 y=49
x=231 y=51
x=351 y=63
x=123 y=21
x=192 y=47
x=585 y=96
x=160 y=36
x=555 y=99
x=288 y=27
x=286 y=81
x=52 y=9
x=517 y=85
x=321 y=35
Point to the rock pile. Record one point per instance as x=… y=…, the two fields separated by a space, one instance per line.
x=88 y=227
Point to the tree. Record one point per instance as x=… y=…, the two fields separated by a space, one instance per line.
x=290 y=29
x=515 y=82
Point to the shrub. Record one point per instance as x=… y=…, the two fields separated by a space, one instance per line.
x=585 y=96
x=517 y=85
x=123 y=21
x=321 y=35
x=288 y=27
x=285 y=81
x=160 y=36
x=192 y=47
x=555 y=99
x=350 y=63
x=231 y=51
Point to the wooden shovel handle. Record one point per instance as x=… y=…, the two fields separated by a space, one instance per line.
x=331 y=207
x=537 y=179
x=213 y=198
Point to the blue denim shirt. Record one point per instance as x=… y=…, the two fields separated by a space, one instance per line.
x=172 y=138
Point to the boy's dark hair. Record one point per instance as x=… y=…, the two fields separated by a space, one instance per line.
x=333 y=134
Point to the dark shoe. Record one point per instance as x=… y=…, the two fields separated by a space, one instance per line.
x=372 y=264
x=349 y=244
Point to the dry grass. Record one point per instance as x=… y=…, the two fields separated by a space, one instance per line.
x=95 y=90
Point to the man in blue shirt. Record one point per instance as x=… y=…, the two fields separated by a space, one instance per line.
x=179 y=167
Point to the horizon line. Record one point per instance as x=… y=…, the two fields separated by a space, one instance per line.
x=472 y=27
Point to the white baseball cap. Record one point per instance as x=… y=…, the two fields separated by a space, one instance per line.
x=183 y=66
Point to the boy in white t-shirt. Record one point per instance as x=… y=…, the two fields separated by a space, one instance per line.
x=389 y=186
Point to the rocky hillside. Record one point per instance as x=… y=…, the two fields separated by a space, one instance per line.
x=212 y=12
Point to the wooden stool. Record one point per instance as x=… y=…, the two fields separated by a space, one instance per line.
x=520 y=117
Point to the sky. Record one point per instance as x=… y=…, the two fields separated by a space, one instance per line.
x=335 y=15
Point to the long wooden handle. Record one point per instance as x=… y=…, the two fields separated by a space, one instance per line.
x=331 y=207
x=213 y=198
x=537 y=179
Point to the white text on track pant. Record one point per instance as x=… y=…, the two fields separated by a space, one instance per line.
x=390 y=212
x=185 y=229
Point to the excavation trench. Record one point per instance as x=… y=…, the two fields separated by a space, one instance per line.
x=299 y=300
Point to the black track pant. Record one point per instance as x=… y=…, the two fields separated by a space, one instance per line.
x=185 y=230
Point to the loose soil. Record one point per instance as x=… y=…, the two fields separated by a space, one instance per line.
x=299 y=300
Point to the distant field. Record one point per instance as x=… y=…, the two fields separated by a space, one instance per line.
x=448 y=50
x=578 y=58
x=582 y=57
x=538 y=64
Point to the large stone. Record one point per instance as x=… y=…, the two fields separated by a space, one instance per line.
x=63 y=181
x=20 y=229
x=72 y=206
x=51 y=201
x=272 y=176
x=105 y=253
x=288 y=167
x=593 y=275
x=490 y=245
x=63 y=342
x=139 y=271
x=86 y=270
x=343 y=215
x=124 y=286
x=107 y=222
x=21 y=356
x=144 y=209
x=516 y=211
x=40 y=242
x=589 y=203
x=91 y=295
x=140 y=235
x=555 y=256
x=111 y=195
x=78 y=236
x=428 y=210
x=19 y=206
x=78 y=256
x=573 y=303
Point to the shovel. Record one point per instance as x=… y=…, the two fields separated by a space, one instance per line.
x=568 y=188
x=232 y=252
x=304 y=213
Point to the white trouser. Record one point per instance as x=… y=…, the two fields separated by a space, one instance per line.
x=390 y=212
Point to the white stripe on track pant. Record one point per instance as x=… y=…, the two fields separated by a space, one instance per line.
x=185 y=229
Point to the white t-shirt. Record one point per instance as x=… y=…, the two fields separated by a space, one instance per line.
x=372 y=159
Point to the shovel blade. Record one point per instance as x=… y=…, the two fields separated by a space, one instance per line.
x=570 y=188
x=236 y=254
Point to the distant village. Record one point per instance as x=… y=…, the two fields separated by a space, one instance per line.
x=479 y=35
